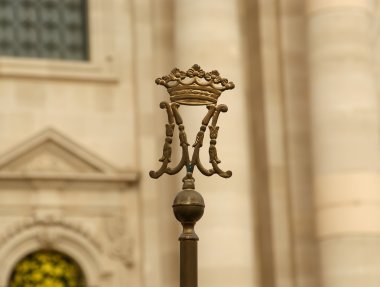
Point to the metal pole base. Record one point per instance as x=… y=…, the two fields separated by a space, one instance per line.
x=189 y=263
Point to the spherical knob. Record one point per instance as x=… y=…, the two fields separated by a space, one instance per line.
x=188 y=206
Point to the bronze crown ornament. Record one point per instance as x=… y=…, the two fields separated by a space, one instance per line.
x=194 y=87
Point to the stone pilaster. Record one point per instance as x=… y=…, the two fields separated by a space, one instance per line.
x=345 y=128
x=207 y=33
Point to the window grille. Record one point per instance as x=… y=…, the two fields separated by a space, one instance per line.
x=53 y=29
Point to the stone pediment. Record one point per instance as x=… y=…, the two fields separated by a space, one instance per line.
x=51 y=155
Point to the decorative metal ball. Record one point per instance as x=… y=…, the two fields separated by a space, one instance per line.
x=188 y=206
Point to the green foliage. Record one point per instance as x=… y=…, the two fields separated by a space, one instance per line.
x=47 y=269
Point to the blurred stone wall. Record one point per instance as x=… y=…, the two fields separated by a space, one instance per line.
x=77 y=140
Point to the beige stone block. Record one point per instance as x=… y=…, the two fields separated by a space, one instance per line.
x=345 y=189
x=351 y=261
x=317 y=5
x=11 y=197
x=350 y=218
x=231 y=276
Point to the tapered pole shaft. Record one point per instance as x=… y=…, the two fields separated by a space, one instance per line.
x=188 y=263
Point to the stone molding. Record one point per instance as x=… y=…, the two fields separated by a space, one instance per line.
x=54 y=232
x=46 y=237
x=120 y=247
x=52 y=156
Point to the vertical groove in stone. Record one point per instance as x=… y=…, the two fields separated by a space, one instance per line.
x=292 y=24
x=250 y=26
x=163 y=43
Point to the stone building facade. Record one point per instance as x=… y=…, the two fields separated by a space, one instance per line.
x=78 y=138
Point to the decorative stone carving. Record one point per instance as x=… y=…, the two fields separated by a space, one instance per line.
x=46 y=161
x=121 y=243
x=122 y=250
x=46 y=237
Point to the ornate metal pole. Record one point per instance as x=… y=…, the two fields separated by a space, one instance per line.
x=194 y=88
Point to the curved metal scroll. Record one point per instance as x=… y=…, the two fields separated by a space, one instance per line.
x=174 y=118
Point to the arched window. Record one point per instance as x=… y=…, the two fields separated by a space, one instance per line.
x=47 y=268
x=53 y=29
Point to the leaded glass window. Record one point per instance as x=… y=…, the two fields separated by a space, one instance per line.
x=47 y=268
x=54 y=29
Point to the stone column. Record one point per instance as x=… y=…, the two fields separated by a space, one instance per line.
x=207 y=33
x=345 y=127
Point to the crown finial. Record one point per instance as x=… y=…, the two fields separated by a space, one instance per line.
x=195 y=86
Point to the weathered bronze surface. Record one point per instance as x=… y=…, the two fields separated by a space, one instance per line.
x=197 y=93
x=195 y=88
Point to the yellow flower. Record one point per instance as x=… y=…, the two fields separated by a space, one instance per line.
x=47 y=269
x=37 y=276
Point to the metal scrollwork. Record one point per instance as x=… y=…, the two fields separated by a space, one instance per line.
x=174 y=118
x=167 y=149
